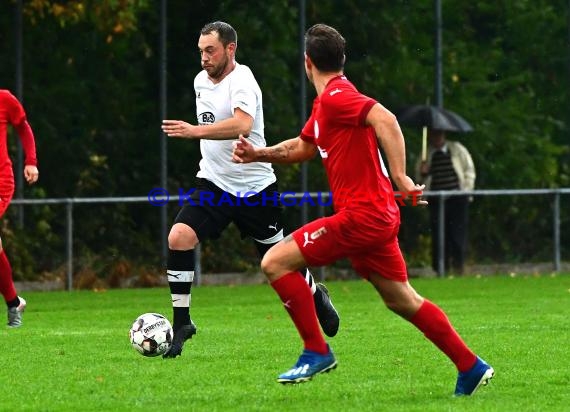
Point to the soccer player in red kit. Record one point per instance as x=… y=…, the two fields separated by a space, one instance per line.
x=346 y=128
x=12 y=112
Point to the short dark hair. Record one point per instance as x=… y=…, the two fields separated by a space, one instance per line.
x=226 y=33
x=325 y=47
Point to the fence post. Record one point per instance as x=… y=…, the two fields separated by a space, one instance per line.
x=197 y=265
x=69 y=243
x=441 y=237
x=556 y=230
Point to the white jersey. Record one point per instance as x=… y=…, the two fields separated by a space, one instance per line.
x=215 y=102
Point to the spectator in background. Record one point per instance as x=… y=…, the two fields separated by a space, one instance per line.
x=448 y=166
x=12 y=112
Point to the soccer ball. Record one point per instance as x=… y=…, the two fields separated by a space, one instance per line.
x=151 y=334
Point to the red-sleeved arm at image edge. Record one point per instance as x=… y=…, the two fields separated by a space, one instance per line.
x=28 y=142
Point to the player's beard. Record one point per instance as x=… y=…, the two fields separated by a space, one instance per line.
x=218 y=71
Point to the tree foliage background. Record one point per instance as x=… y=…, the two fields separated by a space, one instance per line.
x=91 y=90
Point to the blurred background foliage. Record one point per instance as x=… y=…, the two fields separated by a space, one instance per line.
x=91 y=90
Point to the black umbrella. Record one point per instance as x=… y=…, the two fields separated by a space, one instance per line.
x=433 y=117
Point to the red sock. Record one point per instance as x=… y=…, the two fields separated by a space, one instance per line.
x=298 y=301
x=435 y=325
x=6 y=283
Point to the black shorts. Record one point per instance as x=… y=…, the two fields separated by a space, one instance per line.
x=209 y=210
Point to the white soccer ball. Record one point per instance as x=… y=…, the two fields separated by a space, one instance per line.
x=151 y=334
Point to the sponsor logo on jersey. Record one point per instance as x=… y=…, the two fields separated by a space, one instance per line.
x=206 y=118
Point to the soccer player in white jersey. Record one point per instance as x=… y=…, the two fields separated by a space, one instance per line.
x=228 y=103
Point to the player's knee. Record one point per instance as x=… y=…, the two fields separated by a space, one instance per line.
x=182 y=237
x=266 y=265
x=270 y=267
x=405 y=308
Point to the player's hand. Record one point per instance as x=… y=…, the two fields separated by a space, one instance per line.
x=178 y=128
x=416 y=196
x=243 y=152
x=31 y=174
x=409 y=189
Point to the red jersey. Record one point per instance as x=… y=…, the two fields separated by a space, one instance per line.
x=12 y=112
x=349 y=150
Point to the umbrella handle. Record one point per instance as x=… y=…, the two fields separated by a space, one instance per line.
x=424 y=144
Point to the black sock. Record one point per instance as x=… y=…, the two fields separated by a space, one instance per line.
x=180 y=274
x=14 y=302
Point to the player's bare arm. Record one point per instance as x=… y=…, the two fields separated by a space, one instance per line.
x=391 y=139
x=240 y=123
x=289 y=151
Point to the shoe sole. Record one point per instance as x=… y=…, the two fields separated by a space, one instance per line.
x=284 y=381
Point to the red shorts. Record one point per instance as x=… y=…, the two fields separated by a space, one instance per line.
x=370 y=245
x=6 y=194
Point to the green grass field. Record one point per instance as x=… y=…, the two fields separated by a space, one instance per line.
x=73 y=354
